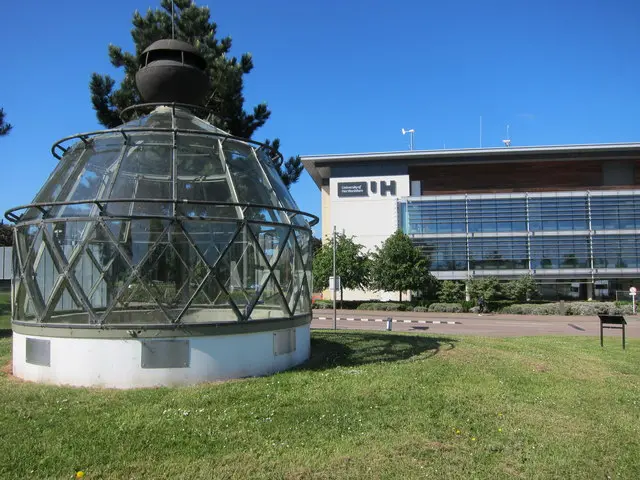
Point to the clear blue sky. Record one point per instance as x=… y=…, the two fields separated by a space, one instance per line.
x=346 y=76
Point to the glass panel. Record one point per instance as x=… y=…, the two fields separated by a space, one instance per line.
x=67 y=309
x=243 y=271
x=46 y=271
x=210 y=190
x=276 y=181
x=198 y=156
x=304 y=302
x=285 y=268
x=23 y=305
x=146 y=169
x=100 y=270
x=62 y=174
x=271 y=303
x=298 y=279
x=26 y=235
x=210 y=238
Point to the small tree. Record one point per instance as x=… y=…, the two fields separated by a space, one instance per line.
x=352 y=265
x=523 y=289
x=488 y=288
x=4 y=126
x=398 y=266
x=451 y=292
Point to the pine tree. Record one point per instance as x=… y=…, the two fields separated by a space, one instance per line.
x=225 y=99
x=4 y=126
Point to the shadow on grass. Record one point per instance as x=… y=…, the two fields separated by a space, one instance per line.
x=5 y=332
x=350 y=348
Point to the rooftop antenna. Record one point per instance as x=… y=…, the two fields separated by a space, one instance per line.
x=507 y=141
x=480 y=131
x=173 y=21
x=410 y=132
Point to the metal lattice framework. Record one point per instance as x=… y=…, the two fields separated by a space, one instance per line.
x=165 y=221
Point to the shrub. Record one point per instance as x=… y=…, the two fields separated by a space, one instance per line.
x=533 y=309
x=594 y=308
x=420 y=309
x=451 y=292
x=323 y=304
x=445 y=307
x=467 y=305
x=383 y=306
x=569 y=308
x=498 y=305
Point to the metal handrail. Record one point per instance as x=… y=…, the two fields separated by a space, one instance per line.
x=100 y=203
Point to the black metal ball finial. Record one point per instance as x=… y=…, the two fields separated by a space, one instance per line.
x=172 y=71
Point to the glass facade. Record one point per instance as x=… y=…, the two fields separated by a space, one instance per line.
x=166 y=221
x=588 y=232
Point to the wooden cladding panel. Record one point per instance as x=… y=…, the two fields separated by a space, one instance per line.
x=506 y=177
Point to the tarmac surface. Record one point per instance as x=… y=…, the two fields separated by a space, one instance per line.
x=492 y=325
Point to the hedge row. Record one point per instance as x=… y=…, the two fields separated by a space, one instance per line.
x=572 y=308
x=445 y=307
x=559 y=308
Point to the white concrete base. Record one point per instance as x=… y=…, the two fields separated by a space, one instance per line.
x=117 y=363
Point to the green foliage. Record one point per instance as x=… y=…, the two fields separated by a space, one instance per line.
x=226 y=75
x=321 y=304
x=451 y=292
x=385 y=306
x=398 y=266
x=568 y=308
x=445 y=307
x=6 y=235
x=352 y=265
x=523 y=289
x=467 y=305
x=5 y=127
x=487 y=287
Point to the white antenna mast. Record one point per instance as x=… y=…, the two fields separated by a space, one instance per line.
x=410 y=132
x=507 y=141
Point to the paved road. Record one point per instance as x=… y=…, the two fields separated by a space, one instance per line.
x=471 y=324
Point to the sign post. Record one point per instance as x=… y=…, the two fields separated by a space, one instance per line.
x=335 y=316
x=632 y=292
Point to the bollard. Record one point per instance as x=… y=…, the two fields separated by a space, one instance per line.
x=388 y=324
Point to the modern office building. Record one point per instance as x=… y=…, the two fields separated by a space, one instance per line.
x=569 y=215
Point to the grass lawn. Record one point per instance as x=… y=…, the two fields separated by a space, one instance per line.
x=368 y=405
x=5 y=311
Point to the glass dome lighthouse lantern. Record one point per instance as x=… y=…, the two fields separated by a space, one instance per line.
x=165 y=251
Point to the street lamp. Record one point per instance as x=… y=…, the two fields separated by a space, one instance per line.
x=410 y=132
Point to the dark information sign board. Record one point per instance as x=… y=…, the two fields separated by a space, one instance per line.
x=353 y=189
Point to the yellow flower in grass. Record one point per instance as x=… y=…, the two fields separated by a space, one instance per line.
x=473 y=439
x=80 y=474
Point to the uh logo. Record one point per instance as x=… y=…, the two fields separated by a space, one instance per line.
x=384 y=187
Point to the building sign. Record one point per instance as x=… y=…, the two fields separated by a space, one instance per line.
x=352 y=189
x=361 y=189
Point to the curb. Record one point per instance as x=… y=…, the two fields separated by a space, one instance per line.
x=351 y=319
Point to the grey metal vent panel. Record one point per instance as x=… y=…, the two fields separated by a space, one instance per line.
x=165 y=354
x=38 y=352
x=284 y=342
